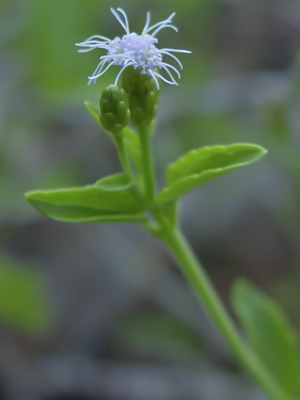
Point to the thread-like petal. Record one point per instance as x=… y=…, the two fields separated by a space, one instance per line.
x=138 y=51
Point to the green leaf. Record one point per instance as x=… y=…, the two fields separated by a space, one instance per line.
x=87 y=204
x=93 y=111
x=156 y=335
x=199 y=166
x=268 y=332
x=132 y=146
x=114 y=182
x=23 y=303
x=131 y=139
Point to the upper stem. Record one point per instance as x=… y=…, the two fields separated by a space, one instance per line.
x=147 y=162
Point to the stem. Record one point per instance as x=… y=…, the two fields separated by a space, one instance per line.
x=123 y=155
x=147 y=163
x=197 y=277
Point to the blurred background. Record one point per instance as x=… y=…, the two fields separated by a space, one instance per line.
x=99 y=311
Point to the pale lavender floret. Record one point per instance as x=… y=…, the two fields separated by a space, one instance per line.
x=134 y=50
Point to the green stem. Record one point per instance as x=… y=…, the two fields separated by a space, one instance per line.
x=197 y=277
x=123 y=155
x=147 y=162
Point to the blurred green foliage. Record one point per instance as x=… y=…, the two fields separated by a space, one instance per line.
x=24 y=303
x=269 y=333
x=240 y=84
x=157 y=337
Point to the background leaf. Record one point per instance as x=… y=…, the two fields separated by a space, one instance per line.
x=199 y=166
x=268 y=332
x=157 y=336
x=22 y=302
x=87 y=204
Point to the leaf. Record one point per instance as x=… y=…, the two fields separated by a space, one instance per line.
x=114 y=182
x=23 y=303
x=199 y=166
x=93 y=111
x=155 y=335
x=87 y=204
x=131 y=139
x=268 y=332
x=132 y=146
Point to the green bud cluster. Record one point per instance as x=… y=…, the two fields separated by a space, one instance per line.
x=114 y=109
x=142 y=94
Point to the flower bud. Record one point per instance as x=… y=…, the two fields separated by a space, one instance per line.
x=142 y=95
x=114 y=109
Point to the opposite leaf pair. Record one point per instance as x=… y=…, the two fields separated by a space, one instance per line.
x=114 y=198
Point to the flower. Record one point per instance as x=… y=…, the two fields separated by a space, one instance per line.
x=134 y=50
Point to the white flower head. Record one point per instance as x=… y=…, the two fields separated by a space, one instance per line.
x=134 y=50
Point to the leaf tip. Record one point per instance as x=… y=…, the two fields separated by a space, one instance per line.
x=28 y=195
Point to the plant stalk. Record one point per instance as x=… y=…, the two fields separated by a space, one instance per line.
x=147 y=162
x=197 y=277
x=195 y=274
